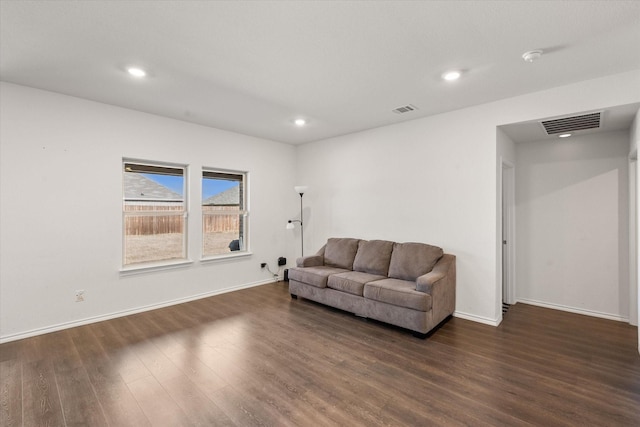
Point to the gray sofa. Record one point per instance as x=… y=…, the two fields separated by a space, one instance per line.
x=411 y=285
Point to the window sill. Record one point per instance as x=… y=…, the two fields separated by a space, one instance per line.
x=155 y=266
x=225 y=256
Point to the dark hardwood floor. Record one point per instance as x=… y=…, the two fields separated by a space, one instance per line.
x=256 y=357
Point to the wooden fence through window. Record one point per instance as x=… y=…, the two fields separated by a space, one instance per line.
x=150 y=219
x=220 y=223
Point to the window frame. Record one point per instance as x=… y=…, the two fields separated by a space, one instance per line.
x=184 y=212
x=243 y=212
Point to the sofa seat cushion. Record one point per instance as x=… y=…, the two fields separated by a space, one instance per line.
x=411 y=260
x=373 y=257
x=398 y=292
x=314 y=276
x=351 y=282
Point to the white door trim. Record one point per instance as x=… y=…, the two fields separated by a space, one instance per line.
x=634 y=299
x=508 y=232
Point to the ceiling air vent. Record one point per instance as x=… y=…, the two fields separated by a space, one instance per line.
x=405 y=109
x=573 y=123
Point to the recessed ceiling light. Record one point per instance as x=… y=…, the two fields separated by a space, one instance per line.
x=564 y=135
x=451 y=75
x=136 y=72
x=300 y=122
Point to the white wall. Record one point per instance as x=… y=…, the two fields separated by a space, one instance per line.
x=506 y=147
x=572 y=201
x=61 y=208
x=434 y=180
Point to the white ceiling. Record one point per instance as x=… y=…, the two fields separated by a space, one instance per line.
x=253 y=67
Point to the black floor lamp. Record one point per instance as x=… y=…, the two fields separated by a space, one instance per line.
x=300 y=189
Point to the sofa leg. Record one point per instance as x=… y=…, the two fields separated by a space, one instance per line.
x=433 y=330
x=293 y=296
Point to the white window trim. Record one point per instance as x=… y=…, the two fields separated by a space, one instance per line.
x=141 y=267
x=223 y=257
x=245 y=212
x=154 y=266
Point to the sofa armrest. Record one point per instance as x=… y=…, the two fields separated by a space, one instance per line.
x=315 y=260
x=440 y=283
x=443 y=267
x=310 y=261
x=426 y=282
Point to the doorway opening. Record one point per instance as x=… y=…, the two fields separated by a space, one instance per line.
x=508 y=236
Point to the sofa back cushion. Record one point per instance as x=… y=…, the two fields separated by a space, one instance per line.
x=373 y=257
x=340 y=252
x=411 y=260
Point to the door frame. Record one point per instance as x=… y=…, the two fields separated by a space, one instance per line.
x=634 y=273
x=508 y=197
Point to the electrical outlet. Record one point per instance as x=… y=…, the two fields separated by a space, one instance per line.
x=80 y=295
x=263 y=264
x=282 y=261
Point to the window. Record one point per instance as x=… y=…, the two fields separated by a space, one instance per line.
x=154 y=213
x=224 y=213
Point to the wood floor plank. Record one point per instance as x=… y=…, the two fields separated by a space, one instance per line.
x=11 y=350
x=273 y=385
x=274 y=374
x=346 y=390
x=281 y=367
x=42 y=406
x=11 y=393
x=155 y=361
x=79 y=403
x=117 y=403
x=159 y=408
x=32 y=349
x=199 y=408
x=123 y=358
x=243 y=409
x=200 y=374
x=119 y=406
x=482 y=382
x=257 y=357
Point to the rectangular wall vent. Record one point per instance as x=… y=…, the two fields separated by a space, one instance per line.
x=573 y=123
x=405 y=109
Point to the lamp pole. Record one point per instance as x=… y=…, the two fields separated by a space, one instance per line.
x=300 y=189
x=301 y=228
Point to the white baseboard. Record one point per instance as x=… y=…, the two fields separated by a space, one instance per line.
x=479 y=319
x=95 y=319
x=582 y=311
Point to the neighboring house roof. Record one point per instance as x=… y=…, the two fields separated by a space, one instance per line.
x=139 y=187
x=230 y=197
